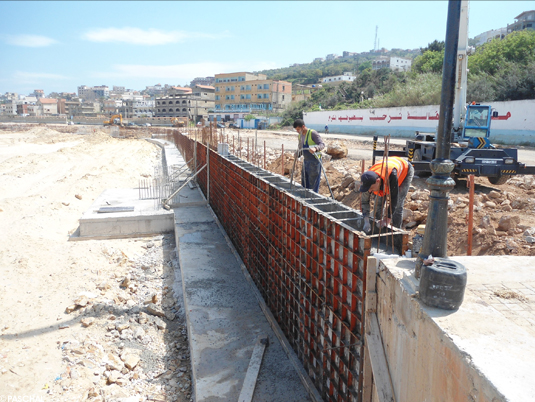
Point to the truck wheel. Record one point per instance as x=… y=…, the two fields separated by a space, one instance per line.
x=442 y=284
x=498 y=180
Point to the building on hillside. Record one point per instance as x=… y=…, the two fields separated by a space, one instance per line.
x=525 y=20
x=485 y=37
x=118 y=90
x=112 y=106
x=338 y=79
x=349 y=54
x=303 y=92
x=38 y=93
x=27 y=99
x=208 y=81
x=48 y=106
x=11 y=108
x=34 y=110
x=10 y=96
x=76 y=107
x=22 y=109
x=318 y=59
x=61 y=106
x=93 y=93
x=393 y=63
x=193 y=103
x=138 y=108
x=239 y=94
x=331 y=56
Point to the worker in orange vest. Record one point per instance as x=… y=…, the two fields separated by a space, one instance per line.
x=392 y=176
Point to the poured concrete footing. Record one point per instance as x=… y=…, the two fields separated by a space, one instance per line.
x=225 y=320
x=145 y=219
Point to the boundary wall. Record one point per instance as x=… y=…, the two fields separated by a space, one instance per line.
x=515 y=123
x=305 y=254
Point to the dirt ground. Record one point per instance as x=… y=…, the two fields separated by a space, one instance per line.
x=82 y=320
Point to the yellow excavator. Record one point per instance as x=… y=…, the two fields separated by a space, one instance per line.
x=115 y=120
x=180 y=121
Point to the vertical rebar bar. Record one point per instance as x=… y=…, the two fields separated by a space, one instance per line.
x=282 y=159
x=264 y=154
x=470 y=183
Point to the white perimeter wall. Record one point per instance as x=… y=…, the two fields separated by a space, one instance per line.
x=515 y=124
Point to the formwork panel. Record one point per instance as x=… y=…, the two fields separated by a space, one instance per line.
x=307 y=256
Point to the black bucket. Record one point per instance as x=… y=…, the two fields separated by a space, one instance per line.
x=442 y=284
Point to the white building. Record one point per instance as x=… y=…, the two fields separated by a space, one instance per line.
x=346 y=77
x=93 y=93
x=393 y=63
x=490 y=35
x=11 y=108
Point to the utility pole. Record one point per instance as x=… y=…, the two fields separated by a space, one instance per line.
x=440 y=183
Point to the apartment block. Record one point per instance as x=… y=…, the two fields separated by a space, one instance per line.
x=112 y=106
x=525 y=20
x=138 y=108
x=487 y=36
x=39 y=93
x=78 y=108
x=393 y=63
x=48 y=106
x=93 y=93
x=193 y=103
x=208 y=81
x=239 y=94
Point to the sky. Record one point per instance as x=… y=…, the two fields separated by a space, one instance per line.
x=57 y=46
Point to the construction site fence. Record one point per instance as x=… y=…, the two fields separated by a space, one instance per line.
x=303 y=252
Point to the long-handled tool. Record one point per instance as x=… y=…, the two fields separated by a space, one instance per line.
x=326 y=179
x=296 y=156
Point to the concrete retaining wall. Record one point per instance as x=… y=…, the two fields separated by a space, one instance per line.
x=482 y=352
x=515 y=123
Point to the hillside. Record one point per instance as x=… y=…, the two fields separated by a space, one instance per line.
x=498 y=71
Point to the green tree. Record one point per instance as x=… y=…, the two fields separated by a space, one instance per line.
x=365 y=65
x=435 y=46
x=429 y=62
x=480 y=88
x=495 y=56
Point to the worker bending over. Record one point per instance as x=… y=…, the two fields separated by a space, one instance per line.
x=310 y=145
x=397 y=174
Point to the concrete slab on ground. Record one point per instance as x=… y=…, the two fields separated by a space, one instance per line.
x=224 y=318
x=488 y=341
x=145 y=219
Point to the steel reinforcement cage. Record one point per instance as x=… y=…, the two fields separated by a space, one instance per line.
x=306 y=257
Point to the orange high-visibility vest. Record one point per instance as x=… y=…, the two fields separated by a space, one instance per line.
x=402 y=167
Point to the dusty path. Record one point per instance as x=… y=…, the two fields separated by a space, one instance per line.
x=360 y=145
x=47 y=180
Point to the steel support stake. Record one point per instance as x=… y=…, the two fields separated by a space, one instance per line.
x=440 y=183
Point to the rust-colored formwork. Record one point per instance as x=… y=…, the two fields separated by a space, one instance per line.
x=307 y=256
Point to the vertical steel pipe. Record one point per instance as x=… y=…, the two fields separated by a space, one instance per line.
x=440 y=183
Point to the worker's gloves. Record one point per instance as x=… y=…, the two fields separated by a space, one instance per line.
x=367 y=227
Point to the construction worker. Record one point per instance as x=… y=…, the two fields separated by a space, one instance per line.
x=310 y=145
x=392 y=176
x=326 y=129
